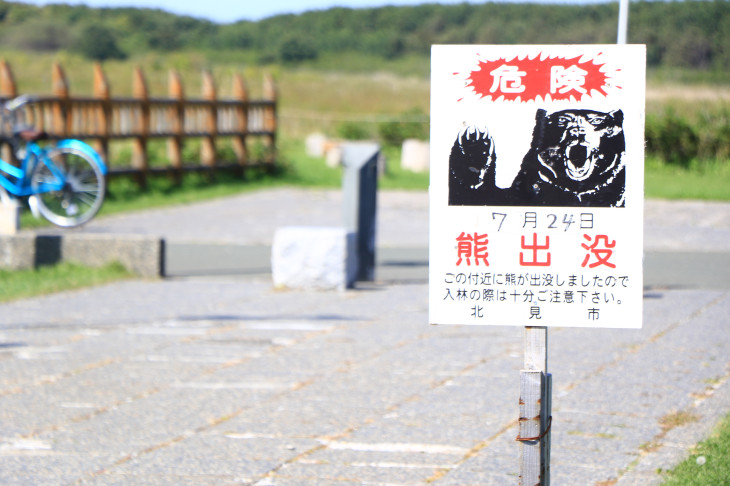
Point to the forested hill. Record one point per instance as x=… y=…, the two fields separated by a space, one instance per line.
x=694 y=34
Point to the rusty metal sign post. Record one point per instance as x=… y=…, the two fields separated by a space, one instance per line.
x=535 y=410
x=536 y=201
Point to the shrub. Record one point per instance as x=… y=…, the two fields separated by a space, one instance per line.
x=412 y=124
x=98 y=43
x=353 y=131
x=672 y=137
x=714 y=135
x=683 y=135
x=297 y=50
x=37 y=35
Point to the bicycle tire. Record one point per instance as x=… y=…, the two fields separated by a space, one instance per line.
x=83 y=187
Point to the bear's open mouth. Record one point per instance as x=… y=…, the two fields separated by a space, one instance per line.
x=579 y=161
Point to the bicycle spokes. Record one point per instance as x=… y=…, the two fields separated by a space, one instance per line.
x=70 y=187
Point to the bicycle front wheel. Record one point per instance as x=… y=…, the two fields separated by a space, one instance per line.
x=78 y=187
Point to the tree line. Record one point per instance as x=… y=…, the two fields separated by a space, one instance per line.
x=689 y=34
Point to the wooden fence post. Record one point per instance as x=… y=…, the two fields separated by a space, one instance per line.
x=104 y=112
x=270 y=116
x=140 y=159
x=175 y=143
x=535 y=410
x=240 y=93
x=8 y=89
x=207 y=148
x=62 y=118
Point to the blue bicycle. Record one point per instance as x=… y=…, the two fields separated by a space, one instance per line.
x=63 y=182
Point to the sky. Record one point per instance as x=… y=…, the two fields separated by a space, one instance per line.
x=227 y=11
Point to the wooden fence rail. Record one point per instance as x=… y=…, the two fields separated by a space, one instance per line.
x=102 y=118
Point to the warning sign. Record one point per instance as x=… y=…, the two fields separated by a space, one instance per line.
x=537 y=175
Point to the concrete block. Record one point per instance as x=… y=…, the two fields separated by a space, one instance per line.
x=141 y=255
x=333 y=155
x=314 y=258
x=9 y=217
x=17 y=252
x=415 y=155
x=315 y=144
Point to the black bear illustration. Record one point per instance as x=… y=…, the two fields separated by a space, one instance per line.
x=576 y=158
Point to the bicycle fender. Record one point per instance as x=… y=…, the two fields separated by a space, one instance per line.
x=86 y=148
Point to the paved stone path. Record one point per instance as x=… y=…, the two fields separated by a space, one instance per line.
x=221 y=380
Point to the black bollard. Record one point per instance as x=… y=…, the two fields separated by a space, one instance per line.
x=359 y=187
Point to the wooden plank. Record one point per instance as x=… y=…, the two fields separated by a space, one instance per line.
x=210 y=121
x=102 y=91
x=240 y=93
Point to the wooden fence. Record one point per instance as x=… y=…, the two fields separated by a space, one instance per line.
x=101 y=118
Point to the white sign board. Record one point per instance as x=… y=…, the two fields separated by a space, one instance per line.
x=537 y=177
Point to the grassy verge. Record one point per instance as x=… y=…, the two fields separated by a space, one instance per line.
x=700 y=180
x=709 y=462
x=48 y=279
x=707 y=180
x=295 y=168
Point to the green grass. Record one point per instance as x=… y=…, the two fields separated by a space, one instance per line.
x=709 y=463
x=18 y=284
x=701 y=180
x=125 y=195
x=294 y=168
